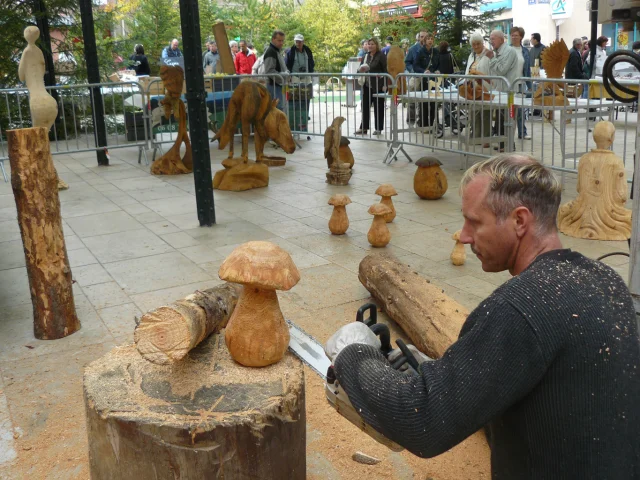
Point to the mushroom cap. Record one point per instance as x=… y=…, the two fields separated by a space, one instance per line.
x=379 y=209
x=428 y=162
x=339 y=199
x=260 y=264
x=386 y=190
x=456 y=236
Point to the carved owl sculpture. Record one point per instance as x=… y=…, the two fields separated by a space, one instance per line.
x=332 y=137
x=555 y=58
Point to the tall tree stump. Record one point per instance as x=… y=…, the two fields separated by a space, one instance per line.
x=35 y=186
x=205 y=417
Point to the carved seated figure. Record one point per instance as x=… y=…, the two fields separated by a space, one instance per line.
x=599 y=213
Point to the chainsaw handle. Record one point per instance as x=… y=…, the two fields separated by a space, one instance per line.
x=373 y=314
x=413 y=362
x=382 y=331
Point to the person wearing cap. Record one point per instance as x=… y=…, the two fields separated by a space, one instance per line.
x=299 y=58
x=387 y=47
x=244 y=60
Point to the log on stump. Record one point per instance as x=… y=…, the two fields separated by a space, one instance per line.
x=35 y=187
x=205 y=417
x=166 y=334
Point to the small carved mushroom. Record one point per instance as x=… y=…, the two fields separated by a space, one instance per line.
x=458 y=254
x=257 y=334
x=386 y=191
x=379 y=234
x=339 y=222
x=429 y=181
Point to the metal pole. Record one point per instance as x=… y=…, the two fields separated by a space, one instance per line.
x=93 y=76
x=197 y=111
x=594 y=35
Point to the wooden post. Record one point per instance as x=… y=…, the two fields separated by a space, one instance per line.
x=204 y=417
x=226 y=58
x=166 y=334
x=35 y=187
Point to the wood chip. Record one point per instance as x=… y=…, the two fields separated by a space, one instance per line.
x=364 y=458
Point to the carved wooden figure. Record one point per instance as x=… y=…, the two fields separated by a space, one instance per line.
x=31 y=70
x=339 y=173
x=599 y=213
x=346 y=155
x=386 y=191
x=379 y=234
x=171 y=163
x=257 y=334
x=339 y=221
x=458 y=254
x=238 y=176
x=429 y=181
x=396 y=66
x=251 y=104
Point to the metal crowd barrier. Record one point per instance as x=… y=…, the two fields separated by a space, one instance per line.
x=73 y=131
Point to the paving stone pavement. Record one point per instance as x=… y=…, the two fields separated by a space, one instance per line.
x=134 y=243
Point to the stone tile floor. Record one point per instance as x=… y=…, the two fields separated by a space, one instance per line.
x=134 y=243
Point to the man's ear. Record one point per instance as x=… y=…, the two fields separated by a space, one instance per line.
x=523 y=221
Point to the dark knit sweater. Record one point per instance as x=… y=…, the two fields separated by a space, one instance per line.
x=548 y=364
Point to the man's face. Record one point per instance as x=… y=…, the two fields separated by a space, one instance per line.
x=234 y=49
x=278 y=41
x=299 y=44
x=478 y=47
x=423 y=35
x=428 y=41
x=493 y=242
x=174 y=45
x=578 y=46
x=534 y=42
x=213 y=48
x=516 y=39
x=243 y=47
x=496 y=40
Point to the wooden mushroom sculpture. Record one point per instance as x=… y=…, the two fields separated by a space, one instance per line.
x=257 y=334
x=429 y=181
x=379 y=234
x=339 y=222
x=386 y=191
x=458 y=254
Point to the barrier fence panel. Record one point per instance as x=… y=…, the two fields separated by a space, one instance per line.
x=73 y=131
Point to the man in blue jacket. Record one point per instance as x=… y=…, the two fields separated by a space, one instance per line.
x=409 y=61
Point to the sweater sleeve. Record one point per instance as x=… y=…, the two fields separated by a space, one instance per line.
x=493 y=364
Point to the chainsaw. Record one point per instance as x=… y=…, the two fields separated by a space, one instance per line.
x=312 y=353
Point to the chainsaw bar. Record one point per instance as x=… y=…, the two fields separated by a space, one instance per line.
x=307 y=349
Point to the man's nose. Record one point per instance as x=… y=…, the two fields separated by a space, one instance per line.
x=465 y=236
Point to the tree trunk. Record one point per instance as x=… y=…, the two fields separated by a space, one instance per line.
x=203 y=418
x=35 y=186
x=430 y=318
x=166 y=334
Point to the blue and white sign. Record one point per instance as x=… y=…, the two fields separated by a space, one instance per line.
x=561 y=9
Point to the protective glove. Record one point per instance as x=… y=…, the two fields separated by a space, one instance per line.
x=397 y=353
x=355 y=332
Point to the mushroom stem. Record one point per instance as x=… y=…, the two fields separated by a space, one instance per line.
x=257 y=334
x=339 y=222
x=379 y=234
x=389 y=203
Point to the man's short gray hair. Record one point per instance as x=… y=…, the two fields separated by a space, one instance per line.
x=476 y=37
x=233 y=43
x=497 y=32
x=576 y=41
x=519 y=180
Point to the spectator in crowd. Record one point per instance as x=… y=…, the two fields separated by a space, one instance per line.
x=573 y=70
x=139 y=61
x=586 y=49
x=427 y=61
x=601 y=56
x=211 y=57
x=503 y=62
x=299 y=58
x=387 y=47
x=409 y=61
x=404 y=45
x=233 y=45
x=252 y=50
x=374 y=62
x=364 y=48
x=274 y=64
x=244 y=60
x=536 y=50
x=446 y=67
x=172 y=50
x=478 y=64
x=524 y=70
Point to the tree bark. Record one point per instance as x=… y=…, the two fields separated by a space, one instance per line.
x=35 y=187
x=203 y=418
x=430 y=318
x=166 y=334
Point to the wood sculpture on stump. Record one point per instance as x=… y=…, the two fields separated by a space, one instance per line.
x=599 y=213
x=431 y=319
x=34 y=182
x=171 y=163
x=238 y=176
x=166 y=334
x=203 y=417
x=31 y=70
x=346 y=155
x=257 y=334
x=554 y=59
x=339 y=173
